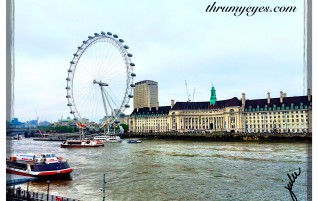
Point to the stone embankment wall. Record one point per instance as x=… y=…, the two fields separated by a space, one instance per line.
x=222 y=136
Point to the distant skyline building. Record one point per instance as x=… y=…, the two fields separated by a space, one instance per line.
x=34 y=122
x=146 y=94
x=15 y=123
x=44 y=123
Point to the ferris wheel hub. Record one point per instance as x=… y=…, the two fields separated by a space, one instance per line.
x=100 y=83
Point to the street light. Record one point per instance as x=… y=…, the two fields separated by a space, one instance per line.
x=104 y=188
x=28 y=190
x=48 y=189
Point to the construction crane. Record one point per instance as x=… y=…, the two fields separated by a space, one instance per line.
x=188 y=95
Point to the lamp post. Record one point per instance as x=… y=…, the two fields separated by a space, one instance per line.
x=28 y=190
x=48 y=189
x=104 y=188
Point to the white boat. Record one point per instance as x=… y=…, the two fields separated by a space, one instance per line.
x=108 y=138
x=45 y=165
x=82 y=143
x=15 y=137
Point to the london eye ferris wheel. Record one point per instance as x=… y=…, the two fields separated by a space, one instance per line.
x=100 y=80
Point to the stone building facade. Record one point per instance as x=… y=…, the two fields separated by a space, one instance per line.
x=280 y=115
x=149 y=119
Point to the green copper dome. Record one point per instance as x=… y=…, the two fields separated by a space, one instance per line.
x=213 y=96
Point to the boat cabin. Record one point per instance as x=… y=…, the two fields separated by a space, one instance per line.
x=36 y=158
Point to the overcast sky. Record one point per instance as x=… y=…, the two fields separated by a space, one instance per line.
x=171 y=41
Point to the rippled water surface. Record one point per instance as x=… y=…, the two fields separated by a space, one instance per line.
x=177 y=170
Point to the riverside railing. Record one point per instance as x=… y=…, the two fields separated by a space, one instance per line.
x=20 y=194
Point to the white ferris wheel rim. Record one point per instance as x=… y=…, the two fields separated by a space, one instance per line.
x=89 y=73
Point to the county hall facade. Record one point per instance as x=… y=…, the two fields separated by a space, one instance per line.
x=280 y=115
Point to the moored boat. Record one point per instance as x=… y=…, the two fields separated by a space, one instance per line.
x=134 y=141
x=42 y=166
x=15 y=137
x=108 y=138
x=82 y=143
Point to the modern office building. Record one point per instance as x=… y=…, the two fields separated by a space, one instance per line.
x=145 y=94
x=15 y=123
x=281 y=115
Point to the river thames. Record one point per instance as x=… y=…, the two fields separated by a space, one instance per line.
x=178 y=170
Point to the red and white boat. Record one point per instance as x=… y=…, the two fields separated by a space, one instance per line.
x=46 y=165
x=82 y=143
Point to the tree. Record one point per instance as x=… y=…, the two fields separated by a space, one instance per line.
x=125 y=127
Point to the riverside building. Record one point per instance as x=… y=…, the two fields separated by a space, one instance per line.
x=145 y=94
x=213 y=115
x=149 y=119
x=279 y=115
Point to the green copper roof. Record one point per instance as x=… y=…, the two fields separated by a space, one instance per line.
x=213 y=96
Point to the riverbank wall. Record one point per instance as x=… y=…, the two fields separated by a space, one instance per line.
x=220 y=136
x=214 y=136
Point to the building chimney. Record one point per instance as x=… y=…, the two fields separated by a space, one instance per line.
x=149 y=107
x=268 y=98
x=281 y=97
x=137 y=109
x=309 y=95
x=243 y=99
x=284 y=95
x=157 y=106
x=172 y=103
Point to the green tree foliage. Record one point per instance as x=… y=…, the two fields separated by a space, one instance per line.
x=58 y=129
x=125 y=127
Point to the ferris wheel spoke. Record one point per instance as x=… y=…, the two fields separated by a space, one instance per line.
x=114 y=103
x=104 y=100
